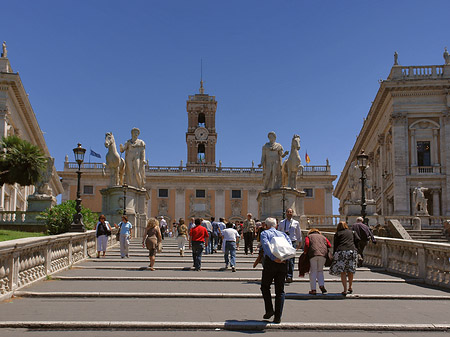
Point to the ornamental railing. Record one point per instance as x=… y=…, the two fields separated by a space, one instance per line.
x=25 y=261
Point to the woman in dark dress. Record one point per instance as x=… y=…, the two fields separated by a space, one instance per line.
x=345 y=256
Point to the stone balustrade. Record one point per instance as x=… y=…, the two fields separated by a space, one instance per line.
x=25 y=261
x=424 y=260
x=323 y=220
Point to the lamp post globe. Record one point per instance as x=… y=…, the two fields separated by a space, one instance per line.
x=362 y=160
x=77 y=223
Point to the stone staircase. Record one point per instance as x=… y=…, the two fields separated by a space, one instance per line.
x=112 y=297
x=428 y=235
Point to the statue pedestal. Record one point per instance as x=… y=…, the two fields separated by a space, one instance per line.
x=38 y=203
x=270 y=203
x=135 y=207
x=352 y=210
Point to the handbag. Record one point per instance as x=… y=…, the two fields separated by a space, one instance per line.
x=118 y=233
x=159 y=247
x=328 y=258
x=303 y=264
x=281 y=248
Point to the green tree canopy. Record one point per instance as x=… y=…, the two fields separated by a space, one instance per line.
x=20 y=161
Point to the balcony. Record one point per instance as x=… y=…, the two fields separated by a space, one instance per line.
x=424 y=170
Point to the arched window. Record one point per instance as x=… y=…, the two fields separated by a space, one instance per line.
x=201 y=119
x=201 y=153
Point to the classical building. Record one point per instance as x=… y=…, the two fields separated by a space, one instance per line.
x=201 y=188
x=17 y=118
x=407 y=137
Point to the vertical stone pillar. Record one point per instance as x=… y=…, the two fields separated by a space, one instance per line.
x=445 y=148
x=382 y=166
x=436 y=203
x=219 y=202
x=252 y=203
x=399 y=139
x=328 y=200
x=180 y=204
x=413 y=149
x=434 y=147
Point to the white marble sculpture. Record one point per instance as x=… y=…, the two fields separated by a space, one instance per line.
x=419 y=200
x=446 y=56
x=292 y=165
x=114 y=163
x=272 y=154
x=134 y=160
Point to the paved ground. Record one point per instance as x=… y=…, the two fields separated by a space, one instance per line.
x=106 y=296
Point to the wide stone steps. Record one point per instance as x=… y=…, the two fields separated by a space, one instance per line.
x=116 y=295
x=428 y=235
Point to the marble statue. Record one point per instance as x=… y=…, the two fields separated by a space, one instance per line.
x=395 y=59
x=134 y=160
x=114 y=163
x=446 y=56
x=272 y=154
x=42 y=186
x=4 y=51
x=354 y=185
x=419 y=200
x=292 y=165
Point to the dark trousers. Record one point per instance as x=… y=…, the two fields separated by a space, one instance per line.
x=197 y=249
x=360 y=247
x=275 y=272
x=248 y=238
x=291 y=263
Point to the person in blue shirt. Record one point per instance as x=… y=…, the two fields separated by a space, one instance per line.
x=125 y=236
x=274 y=270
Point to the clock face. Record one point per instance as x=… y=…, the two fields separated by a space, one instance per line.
x=201 y=133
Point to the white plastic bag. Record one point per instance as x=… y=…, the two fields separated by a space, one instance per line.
x=281 y=248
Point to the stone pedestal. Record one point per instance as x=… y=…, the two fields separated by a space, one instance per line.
x=135 y=207
x=424 y=220
x=38 y=203
x=270 y=203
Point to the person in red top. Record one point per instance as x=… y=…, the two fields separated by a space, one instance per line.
x=198 y=238
x=316 y=247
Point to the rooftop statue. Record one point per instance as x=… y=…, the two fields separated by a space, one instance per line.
x=134 y=160
x=446 y=56
x=4 y=51
x=395 y=59
x=272 y=154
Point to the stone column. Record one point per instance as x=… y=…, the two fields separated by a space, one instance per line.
x=434 y=153
x=382 y=164
x=328 y=200
x=180 y=204
x=219 y=202
x=436 y=203
x=399 y=139
x=252 y=203
x=413 y=148
x=445 y=147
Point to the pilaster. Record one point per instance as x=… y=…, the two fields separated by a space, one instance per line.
x=400 y=151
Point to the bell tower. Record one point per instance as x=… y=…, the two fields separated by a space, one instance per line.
x=201 y=136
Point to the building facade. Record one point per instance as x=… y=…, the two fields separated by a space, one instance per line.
x=201 y=188
x=407 y=137
x=17 y=118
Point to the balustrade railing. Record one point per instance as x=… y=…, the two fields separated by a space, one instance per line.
x=323 y=220
x=416 y=72
x=25 y=261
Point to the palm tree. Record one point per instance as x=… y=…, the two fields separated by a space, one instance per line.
x=20 y=161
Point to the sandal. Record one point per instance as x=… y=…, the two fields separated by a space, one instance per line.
x=350 y=291
x=344 y=293
x=312 y=292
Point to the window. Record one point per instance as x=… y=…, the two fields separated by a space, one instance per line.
x=309 y=192
x=235 y=194
x=163 y=193
x=88 y=189
x=423 y=154
x=201 y=119
x=200 y=193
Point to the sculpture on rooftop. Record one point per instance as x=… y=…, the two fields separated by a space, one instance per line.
x=134 y=150
x=114 y=163
x=446 y=56
x=292 y=165
x=395 y=59
x=4 y=51
x=272 y=154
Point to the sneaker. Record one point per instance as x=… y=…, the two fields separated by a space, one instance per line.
x=268 y=314
x=323 y=290
x=289 y=280
x=312 y=292
x=277 y=320
x=233 y=269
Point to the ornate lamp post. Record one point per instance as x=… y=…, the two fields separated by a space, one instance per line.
x=362 y=159
x=125 y=188
x=77 y=224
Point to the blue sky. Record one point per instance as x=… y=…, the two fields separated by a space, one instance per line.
x=295 y=67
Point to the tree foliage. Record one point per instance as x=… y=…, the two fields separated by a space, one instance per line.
x=59 y=218
x=20 y=161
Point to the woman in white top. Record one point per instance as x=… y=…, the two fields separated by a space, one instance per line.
x=230 y=238
x=102 y=231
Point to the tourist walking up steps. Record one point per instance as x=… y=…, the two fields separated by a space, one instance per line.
x=182 y=237
x=274 y=270
x=249 y=229
x=198 y=237
x=365 y=234
x=102 y=231
x=316 y=248
x=291 y=227
x=152 y=238
x=345 y=256
x=230 y=238
x=125 y=236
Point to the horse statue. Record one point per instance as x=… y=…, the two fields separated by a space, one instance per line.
x=114 y=162
x=292 y=165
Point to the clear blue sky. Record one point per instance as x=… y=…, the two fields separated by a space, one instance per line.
x=304 y=67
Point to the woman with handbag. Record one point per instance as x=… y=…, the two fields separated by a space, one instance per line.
x=316 y=248
x=102 y=231
x=345 y=256
x=152 y=239
x=125 y=234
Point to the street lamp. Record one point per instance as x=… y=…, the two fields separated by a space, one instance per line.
x=362 y=159
x=77 y=224
x=125 y=187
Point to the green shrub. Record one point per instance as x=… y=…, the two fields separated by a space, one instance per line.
x=59 y=217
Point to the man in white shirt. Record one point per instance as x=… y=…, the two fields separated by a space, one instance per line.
x=230 y=237
x=291 y=227
x=162 y=226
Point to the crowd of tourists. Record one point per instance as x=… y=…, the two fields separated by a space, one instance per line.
x=277 y=245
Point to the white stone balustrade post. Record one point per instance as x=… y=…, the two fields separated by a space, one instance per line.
x=421 y=263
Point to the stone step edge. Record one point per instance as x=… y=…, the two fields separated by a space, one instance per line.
x=218 y=279
x=229 y=325
x=329 y=296
x=137 y=268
